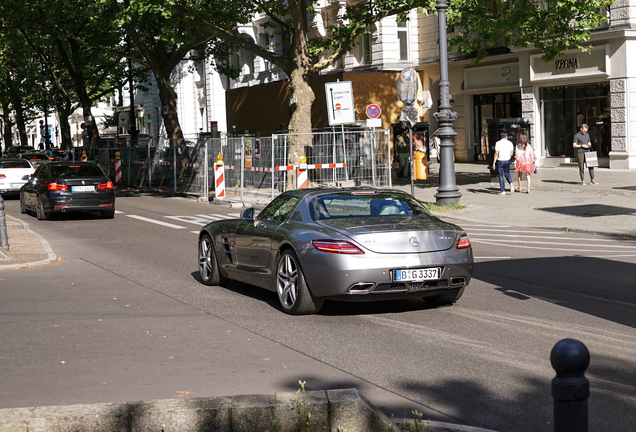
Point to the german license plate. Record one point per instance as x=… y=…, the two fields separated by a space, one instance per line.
x=415 y=275
x=82 y=188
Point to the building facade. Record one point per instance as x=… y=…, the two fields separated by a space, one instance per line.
x=554 y=98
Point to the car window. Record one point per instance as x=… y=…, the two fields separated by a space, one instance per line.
x=70 y=171
x=15 y=164
x=279 y=209
x=340 y=205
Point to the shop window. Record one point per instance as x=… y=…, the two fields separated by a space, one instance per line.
x=565 y=109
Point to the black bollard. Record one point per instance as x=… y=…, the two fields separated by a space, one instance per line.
x=570 y=389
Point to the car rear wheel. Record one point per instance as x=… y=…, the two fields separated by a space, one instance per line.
x=108 y=214
x=41 y=214
x=208 y=264
x=447 y=298
x=293 y=294
x=23 y=208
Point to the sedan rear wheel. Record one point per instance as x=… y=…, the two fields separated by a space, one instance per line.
x=293 y=294
x=447 y=298
x=108 y=214
x=23 y=208
x=208 y=264
x=41 y=214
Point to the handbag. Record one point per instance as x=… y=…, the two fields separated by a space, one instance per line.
x=591 y=159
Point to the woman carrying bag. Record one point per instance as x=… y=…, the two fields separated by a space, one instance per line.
x=525 y=158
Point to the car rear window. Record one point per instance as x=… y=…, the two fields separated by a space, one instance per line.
x=70 y=171
x=381 y=204
x=15 y=164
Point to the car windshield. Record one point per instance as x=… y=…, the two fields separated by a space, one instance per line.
x=372 y=204
x=70 y=171
x=14 y=164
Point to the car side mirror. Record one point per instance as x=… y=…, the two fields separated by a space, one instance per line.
x=248 y=214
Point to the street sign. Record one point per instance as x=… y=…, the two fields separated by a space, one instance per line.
x=340 y=109
x=373 y=111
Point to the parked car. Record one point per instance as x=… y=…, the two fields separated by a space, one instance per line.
x=16 y=151
x=37 y=157
x=14 y=173
x=356 y=244
x=66 y=186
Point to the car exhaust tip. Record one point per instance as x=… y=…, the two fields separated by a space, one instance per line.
x=361 y=288
x=458 y=281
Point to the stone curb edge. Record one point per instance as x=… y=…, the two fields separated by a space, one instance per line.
x=330 y=410
x=52 y=257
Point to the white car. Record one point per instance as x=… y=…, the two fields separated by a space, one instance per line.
x=14 y=173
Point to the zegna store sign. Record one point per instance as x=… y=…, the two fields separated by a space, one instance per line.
x=564 y=64
x=572 y=64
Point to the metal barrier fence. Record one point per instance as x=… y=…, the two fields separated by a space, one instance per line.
x=255 y=169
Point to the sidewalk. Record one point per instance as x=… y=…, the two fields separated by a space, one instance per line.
x=557 y=201
x=26 y=248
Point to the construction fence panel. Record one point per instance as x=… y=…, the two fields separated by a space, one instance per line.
x=256 y=169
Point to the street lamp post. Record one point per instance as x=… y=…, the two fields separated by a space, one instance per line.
x=47 y=139
x=447 y=193
x=133 y=127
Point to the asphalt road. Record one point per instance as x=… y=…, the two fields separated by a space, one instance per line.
x=124 y=318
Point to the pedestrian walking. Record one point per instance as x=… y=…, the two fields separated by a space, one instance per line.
x=582 y=144
x=402 y=147
x=504 y=149
x=525 y=158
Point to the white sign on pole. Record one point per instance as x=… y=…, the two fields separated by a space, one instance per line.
x=340 y=108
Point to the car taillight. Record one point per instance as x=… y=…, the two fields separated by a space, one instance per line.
x=463 y=242
x=57 y=187
x=337 y=246
x=104 y=186
x=3 y=176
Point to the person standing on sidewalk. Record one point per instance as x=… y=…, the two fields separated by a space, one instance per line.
x=503 y=155
x=525 y=157
x=402 y=147
x=582 y=144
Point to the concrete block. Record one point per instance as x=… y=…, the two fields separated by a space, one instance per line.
x=182 y=415
x=351 y=412
x=252 y=412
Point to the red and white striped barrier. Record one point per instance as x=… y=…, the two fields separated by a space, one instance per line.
x=331 y=165
x=301 y=179
x=118 y=171
x=219 y=180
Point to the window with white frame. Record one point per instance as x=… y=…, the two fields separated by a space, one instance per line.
x=264 y=42
x=363 y=52
x=403 y=41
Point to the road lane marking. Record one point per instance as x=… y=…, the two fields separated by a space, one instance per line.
x=200 y=219
x=166 y=224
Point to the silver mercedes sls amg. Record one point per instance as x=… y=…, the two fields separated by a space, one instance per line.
x=356 y=244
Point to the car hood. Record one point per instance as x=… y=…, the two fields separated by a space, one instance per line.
x=397 y=234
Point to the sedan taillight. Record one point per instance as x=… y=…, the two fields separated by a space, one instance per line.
x=337 y=246
x=463 y=242
x=104 y=186
x=57 y=187
x=3 y=176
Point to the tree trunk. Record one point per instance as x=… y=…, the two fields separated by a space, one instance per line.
x=64 y=112
x=7 y=136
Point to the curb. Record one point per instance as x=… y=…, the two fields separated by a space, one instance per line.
x=52 y=257
x=330 y=410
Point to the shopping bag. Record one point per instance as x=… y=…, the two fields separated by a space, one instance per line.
x=591 y=159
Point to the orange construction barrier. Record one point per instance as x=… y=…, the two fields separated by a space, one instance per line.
x=420 y=163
